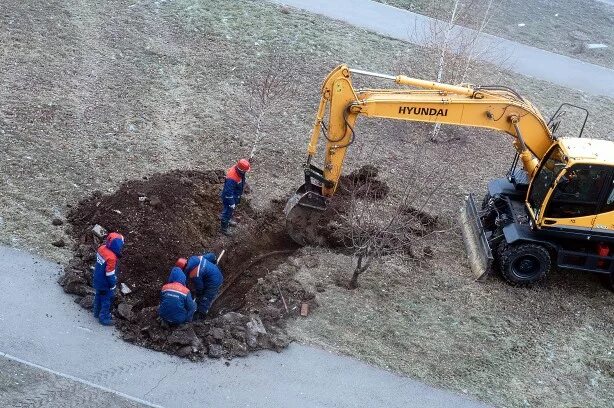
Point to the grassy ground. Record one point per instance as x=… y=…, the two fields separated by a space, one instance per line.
x=564 y=26
x=98 y=92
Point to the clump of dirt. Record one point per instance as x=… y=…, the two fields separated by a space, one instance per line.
x=173 y=215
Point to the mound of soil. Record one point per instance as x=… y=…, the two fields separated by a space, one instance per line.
x=173 y=215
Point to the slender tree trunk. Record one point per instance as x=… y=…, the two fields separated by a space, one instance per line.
x=442 y=58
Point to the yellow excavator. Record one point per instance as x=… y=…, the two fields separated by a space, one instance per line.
x=556 y=210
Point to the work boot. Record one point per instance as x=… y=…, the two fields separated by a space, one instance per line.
x=224 y=228
x=227 y=232
x=232 y=223
x=106 y=322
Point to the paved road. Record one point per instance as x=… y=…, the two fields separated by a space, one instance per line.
x=44 y=327
x=523 y=59
x=22 y=385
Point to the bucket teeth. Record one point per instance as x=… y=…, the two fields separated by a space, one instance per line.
x=478 y=250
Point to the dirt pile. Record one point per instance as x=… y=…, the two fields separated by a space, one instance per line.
x=176 y=214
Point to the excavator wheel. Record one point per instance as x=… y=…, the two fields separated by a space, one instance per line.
x=304 y=219
x=524 y=264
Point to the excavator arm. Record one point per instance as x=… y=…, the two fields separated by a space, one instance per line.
x=495 y=108
x=491 y=107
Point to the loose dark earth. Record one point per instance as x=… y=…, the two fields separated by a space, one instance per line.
x=172 y=215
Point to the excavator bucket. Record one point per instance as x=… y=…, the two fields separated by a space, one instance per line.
x=304 y=213
x=476 y=242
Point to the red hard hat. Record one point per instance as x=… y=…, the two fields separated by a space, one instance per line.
x=243 y=165
x=181 y=263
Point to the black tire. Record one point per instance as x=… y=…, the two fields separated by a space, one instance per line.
x=524 y=264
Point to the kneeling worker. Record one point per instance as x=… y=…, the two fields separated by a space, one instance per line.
x=206 y=278
x=176 y=303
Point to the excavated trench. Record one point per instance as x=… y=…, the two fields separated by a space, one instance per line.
x=176 y=214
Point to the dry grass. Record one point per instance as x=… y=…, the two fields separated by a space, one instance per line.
x=94 y=93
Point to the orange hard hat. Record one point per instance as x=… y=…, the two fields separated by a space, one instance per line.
x=181 y=263
x=244 y=165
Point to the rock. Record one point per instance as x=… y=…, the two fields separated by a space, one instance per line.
x=251 y=341
x=148 y=313
x=218 y=333
x=59 y=243
x=255 y=326
x=155 y=201
x=57 y=222
x=201 y=328
x=215 y=351
x=125 y=311
x=87 y=302
x=237 y=348
x=77 y=288
x=184 y=351
x=129 y=336
x=280 y=341
x=184 y=335
x=125 y=289
x=311 y=261
x=234 y=318
x=239 y=334
x=270 y=313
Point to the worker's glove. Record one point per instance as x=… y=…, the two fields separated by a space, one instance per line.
x=233 y=206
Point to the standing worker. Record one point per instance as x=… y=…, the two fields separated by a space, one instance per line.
x=176 y=303
x=232 y=191
x=105 y=277
x=206 y=279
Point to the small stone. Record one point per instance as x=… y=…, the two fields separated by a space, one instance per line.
x=184 y=351
x=155 y=201
x=125 y=311
x=87 y=302
x=215 y=351
x=184 y=335
x=217 y=333
x=125 y=289
x=57 y=222
x=59 y=243
x=255 y=326
x=252 y=341
x=234 y=318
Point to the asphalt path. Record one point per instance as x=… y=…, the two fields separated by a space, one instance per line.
x=47 y=339
x=414 y=28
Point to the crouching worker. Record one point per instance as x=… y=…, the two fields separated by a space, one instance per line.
x=206 y=279
x=176 y=303
x=105 y=277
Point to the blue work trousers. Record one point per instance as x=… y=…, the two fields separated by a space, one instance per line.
x=102 y=305
x=205 y=298
x=226 y=215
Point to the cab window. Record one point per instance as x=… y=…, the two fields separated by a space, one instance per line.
x=577 y=192
x=609 y=203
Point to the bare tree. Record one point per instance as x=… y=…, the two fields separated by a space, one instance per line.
x=369 y=229
x=267 y=88
x=454 y=37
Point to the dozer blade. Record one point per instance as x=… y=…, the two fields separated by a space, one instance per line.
x=476 y=243
x=304 y=213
